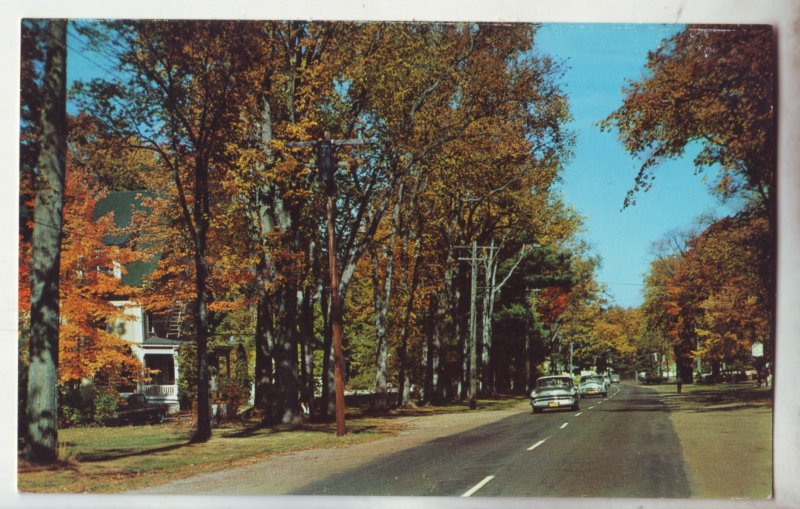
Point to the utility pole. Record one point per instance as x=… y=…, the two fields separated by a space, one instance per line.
x=571 y=369
x=473 y=325
x=326 y=164
x=473 y=329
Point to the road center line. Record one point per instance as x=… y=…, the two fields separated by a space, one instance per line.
x=579 y=413
x=564 y=425
x=591 y=407
x=478 y=486
x=537 y=444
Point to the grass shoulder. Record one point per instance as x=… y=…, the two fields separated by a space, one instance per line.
x=117 y=459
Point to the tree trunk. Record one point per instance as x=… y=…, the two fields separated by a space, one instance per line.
x=473 y=332
x=328 y=383
x=42 y=397
x=404 y=378
x=460 y=315
x=306 y=317
x=264 y=345
x=528 y=356
x=381 y=293
x=486 y=319
x=429 y=329
x=435 y=357
x=286 y=353
x=383 y=297
x=202 y=319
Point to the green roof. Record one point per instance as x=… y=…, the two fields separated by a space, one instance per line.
x=123 y=204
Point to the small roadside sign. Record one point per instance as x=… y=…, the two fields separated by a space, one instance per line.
x=758 y=350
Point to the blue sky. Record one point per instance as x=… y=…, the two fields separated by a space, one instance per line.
x=599 y=58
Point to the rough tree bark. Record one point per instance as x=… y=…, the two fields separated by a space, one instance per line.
x=404 y=375
x=264 y=392
x=42 y=408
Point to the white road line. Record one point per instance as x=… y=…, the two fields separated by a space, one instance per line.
x=579 y=413
x=591 y=407
x=537 y=444
x=564 y=425
x=478 y=486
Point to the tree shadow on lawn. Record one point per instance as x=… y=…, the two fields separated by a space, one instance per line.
x=747 y=394
x=114 y=454
x=498 y=402
x=722 y=399
x=730 y=408
x=361 y=407
x=263 y=429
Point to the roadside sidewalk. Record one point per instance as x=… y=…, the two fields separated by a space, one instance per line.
x=725 y=432
x=283 y=474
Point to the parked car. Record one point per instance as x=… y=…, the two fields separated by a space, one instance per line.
x=553 y=392
x=652 y=379
x=137 y=409
x=592 y=385
x=614 y=378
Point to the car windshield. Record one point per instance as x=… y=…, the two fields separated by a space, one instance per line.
x=590 y=378
x=136 y=399
x=552 y=383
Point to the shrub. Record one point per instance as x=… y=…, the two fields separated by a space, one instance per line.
x=69 y=416
x=232 y=395
x=106 y=406
x=72 y=409
x=242 y=375
x=83 y=404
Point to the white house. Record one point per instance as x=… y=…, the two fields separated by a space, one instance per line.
x=155 y=343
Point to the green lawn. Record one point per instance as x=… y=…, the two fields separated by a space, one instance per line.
x=108 y=460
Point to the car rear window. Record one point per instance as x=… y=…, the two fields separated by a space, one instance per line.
x=553 y=382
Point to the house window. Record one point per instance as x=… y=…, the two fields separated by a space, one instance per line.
x=165 y=365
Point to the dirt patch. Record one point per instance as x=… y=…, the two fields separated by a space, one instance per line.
x=725 y=433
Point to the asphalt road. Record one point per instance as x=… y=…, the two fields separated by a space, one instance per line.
x=621 y=446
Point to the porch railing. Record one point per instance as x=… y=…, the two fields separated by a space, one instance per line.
x=160 y=390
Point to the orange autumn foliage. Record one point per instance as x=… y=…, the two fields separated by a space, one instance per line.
x=87 y=282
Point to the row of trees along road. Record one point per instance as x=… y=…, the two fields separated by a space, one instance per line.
x=710 y=293
x=465 y=139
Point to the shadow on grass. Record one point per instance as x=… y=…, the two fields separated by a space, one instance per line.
x=730 y=408
x=260 y=428
x=723 y=398
x=114 y=454
x=733 y=395
x=26 y=467
x=498 y=402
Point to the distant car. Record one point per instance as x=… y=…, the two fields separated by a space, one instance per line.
x=651 y=379
x=136 y=409
x=592 y=385
x=553 y=392
x=614 y=378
